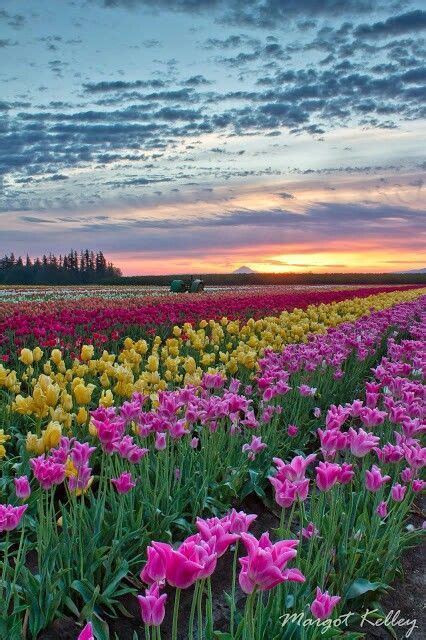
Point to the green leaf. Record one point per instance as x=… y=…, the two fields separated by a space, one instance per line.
x=100 y=628
x=121 y=573
x=72 y=606
x=360 y=586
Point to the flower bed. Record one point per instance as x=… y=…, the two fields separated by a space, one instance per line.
x=151 y=484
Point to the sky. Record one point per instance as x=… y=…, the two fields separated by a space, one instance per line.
x=202 y=135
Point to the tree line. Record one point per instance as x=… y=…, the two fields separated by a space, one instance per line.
x=86 y=267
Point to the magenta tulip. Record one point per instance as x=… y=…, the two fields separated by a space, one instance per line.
x=87 y=633
x=374 y=479
x=152 y=606
x=22 y=487
x=10 y=516
x=323 y=605
x=398 y=492
x=124 y=483
x=265 y=565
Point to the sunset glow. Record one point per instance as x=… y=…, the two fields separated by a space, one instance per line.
x=230 y=137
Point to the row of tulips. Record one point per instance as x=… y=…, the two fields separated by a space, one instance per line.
x=348 y=529
x=99 y=321
x=344 y=542
x=90 y=297
x=148 y=472
x=54 y=390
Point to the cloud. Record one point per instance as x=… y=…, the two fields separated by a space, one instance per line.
x=138 y=181
x=323 y=228
x=257 y=13
x=285 y=196
x=410 y=22
x=196 y=81
x=58 y=177
x=14 y=20
x=35 y=220
x=106 y=86
x=5 y=42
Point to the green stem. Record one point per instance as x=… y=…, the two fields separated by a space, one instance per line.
x=192 y=613
x=175 y=614
x=234 y=585
x=5 y=562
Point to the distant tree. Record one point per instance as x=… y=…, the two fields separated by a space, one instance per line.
x=89 y=267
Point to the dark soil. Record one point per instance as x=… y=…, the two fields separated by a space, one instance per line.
x=406 y=600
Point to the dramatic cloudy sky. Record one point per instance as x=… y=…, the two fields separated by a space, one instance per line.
x=200 y=135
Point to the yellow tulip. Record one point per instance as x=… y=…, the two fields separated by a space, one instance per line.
x=106 y=399
x=26 y=356
x=56 y=356
x=152 y=364
x=82 y=416
x=51 y=435
x=87 y=352
x=82 y=393
x=37 y=354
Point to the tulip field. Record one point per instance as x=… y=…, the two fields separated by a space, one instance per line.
x=139 y=432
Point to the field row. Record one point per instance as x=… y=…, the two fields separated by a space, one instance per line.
x=96 y=320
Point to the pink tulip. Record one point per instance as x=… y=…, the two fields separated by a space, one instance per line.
x=398 y=492
x=331 y=441
x=127 y=449
x=194 y=443
x=295 y=470
x=22 y=487
x=336 y=417
x=10 y=516
x=152 y=606
x=323 y=604
x=47 y=472
x=286 y=492
x=317 y=412
x=361 y=442
x=415 y=455
x=310 y=531
x=292 y=430
x=130 y=410
x=382 y=509
x=327 y=474
x=372 y=417
x=239 y=522
x=217 y=533
x=190 y=562
x=81 y=480
x=407 y=474
x=110 y=428
x=418 y=485
x=80 y=453
x=374 y=479
x=346 y=473
x=355 y=408
x=254 y=447
x=389 y=453
x=124 y=483
x=155 y=567
x=306 y=390
x=87 y=633
x=160 y=441
x=264 y=566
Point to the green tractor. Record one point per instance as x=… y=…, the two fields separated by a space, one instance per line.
x=194 y=285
